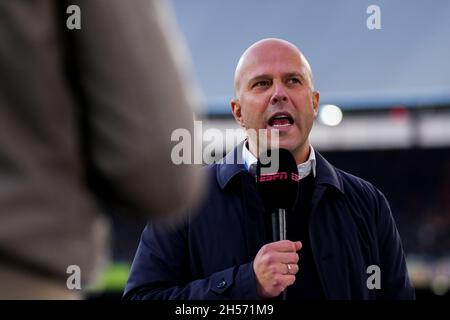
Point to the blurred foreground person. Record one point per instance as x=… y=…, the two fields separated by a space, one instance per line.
x=86 y=118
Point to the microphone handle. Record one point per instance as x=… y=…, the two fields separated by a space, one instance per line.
x=282 y=223
x=279 y=225
x=279 y=232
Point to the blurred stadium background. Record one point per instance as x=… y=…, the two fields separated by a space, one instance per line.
x=384 y=114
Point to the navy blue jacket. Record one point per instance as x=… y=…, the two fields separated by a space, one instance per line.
x=210 y=255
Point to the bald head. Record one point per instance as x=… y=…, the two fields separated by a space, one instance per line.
x=263 y=48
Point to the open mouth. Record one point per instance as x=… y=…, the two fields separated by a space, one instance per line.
x=281 y=120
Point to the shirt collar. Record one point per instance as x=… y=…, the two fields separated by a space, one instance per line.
x=304 y=169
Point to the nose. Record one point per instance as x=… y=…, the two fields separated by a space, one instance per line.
x=278 y=95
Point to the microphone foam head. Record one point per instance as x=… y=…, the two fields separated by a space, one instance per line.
x=277 y=179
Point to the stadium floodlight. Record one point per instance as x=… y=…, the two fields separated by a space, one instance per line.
x=330 y=115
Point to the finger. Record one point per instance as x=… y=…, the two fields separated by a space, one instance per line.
x=280 y=269
x=287 y=268
x=292 y=268
x=280 y=282
x=283 y=257
x=284 y=246
x=286 y=281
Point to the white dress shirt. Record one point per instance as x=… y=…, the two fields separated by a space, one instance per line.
x=304 y=169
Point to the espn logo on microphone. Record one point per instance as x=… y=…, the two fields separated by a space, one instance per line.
x=279 y=176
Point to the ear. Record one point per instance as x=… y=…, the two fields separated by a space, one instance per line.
x=236 y=109
x=315 y=101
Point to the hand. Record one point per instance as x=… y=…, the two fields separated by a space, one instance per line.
x=271 y=267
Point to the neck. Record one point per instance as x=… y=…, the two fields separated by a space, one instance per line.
x=300 y=155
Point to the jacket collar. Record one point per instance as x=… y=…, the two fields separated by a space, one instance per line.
x=327 y=174
x=232 y=164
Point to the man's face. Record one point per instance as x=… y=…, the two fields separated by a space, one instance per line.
x=274 y=92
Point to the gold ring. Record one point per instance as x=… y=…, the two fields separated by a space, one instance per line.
x=289 y=268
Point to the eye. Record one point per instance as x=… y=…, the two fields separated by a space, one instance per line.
x=262 y=83
x=294 y=81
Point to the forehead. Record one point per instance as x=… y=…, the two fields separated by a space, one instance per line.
x=271 y=60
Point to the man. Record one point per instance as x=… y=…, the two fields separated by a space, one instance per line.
x=85 y=122
x=339 y=227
